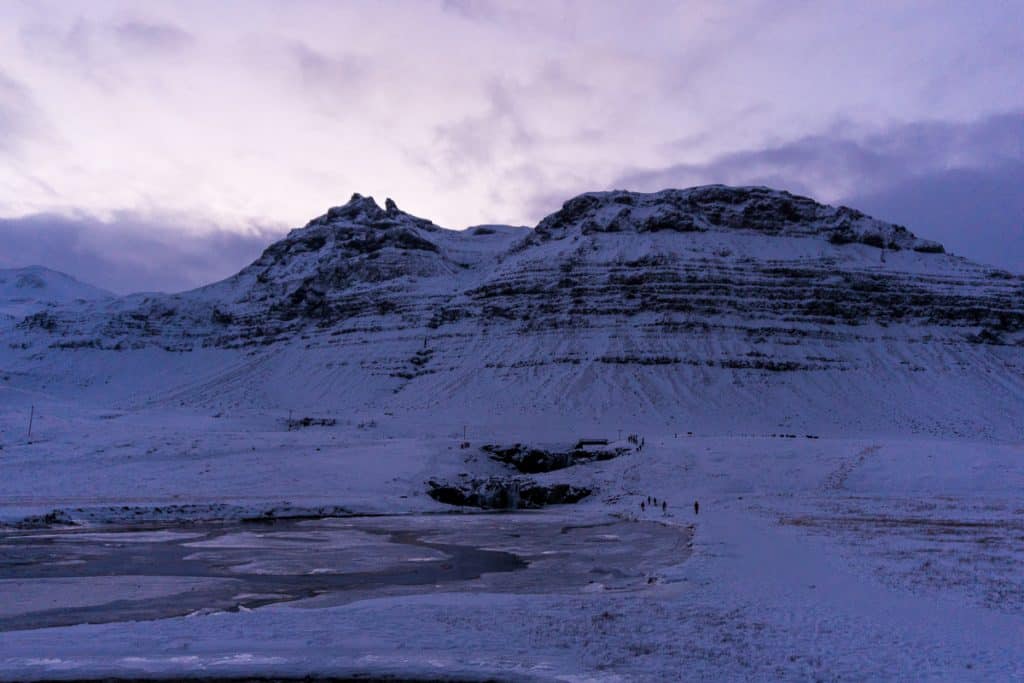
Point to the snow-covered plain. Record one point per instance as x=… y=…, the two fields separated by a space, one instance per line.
x=811 y=558
x=859 y=466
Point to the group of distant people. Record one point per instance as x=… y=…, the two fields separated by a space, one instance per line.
x=652 y=502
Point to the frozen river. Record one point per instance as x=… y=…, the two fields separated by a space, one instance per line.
x=110 y=574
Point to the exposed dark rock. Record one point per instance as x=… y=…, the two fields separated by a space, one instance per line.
x=221 y=318
x=40 y=321
x=670 y=220
x=498 y=493
x=531 y=460
x=53 y=518
x=873 y=240
x=311 y=422
x=724 y=208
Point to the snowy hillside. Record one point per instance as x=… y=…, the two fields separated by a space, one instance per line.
x=24 y=291
x=736 y=308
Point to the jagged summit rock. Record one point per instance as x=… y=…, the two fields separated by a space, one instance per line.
x=349 y=244
x=364 y=211
x=720 y=207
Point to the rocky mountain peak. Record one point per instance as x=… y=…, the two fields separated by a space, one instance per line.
x=306 y=274
x=724 y=208
x=363 y=211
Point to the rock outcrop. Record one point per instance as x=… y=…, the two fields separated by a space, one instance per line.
x=499 y=493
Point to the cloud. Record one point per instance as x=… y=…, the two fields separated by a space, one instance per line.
x=531 y=16
x=100 y=52
x=470 y=110
x=474 y=10
x=130 y=251
x=331 y=80
x=53 y=43
x=842 y=161
x=20 y=118
x=474 y=140
x=975 y=212
x=506 y=130
x=143 y=37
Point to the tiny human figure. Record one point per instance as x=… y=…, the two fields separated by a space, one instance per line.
x=664 y=506
x=696 y=508
x=641 y=506
x=655 y=500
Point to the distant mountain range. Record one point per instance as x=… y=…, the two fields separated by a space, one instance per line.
x=724 y=306
x=24 y=291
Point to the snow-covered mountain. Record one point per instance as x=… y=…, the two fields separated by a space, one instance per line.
x=729 y=307
x=24 y=291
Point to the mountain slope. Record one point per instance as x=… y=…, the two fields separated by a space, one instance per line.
x=727 y=307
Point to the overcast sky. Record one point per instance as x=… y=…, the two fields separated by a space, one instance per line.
x=162 y=145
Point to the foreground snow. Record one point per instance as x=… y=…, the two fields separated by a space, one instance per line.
x=811 y=558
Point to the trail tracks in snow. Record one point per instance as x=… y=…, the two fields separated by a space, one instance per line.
x=836 y=479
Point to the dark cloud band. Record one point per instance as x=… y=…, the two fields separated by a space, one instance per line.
x=130 y=252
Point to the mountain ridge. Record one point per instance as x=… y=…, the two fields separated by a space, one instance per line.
x=359 y=260
x=614 y=304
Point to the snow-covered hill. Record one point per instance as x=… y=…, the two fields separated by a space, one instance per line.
x=733 y=308
x=24 y=291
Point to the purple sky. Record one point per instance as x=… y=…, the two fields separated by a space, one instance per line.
x=162 y=145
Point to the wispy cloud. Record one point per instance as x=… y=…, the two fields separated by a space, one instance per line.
x=20 y=117
x=147 y=37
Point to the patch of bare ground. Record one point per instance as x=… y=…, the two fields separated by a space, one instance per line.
x=981 y=558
